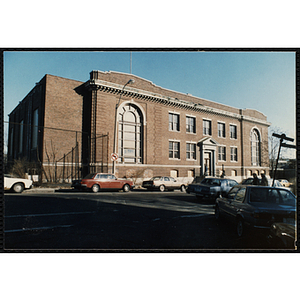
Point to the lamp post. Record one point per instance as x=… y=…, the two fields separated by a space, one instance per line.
x=130 y=81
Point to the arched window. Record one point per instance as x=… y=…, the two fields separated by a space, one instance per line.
x=130 y=134
x=255 y=148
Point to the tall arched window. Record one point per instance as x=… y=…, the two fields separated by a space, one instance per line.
x=255 y=148
x=130 y=134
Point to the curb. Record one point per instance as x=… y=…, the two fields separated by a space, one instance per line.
x=39 y=190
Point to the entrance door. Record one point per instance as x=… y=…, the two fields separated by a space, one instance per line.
x=208 y=149
x=207 y=163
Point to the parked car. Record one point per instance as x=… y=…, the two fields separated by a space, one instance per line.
x=256 y=207
x=163 y=183
x=17 y=185
x=270 y=182
x=97 y=181
x=283 y=234
x=285 y=182
x=211 y=188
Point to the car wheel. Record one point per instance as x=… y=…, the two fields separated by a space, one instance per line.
x=182 y=188
x=18 y=188
x=126 y=188
x=95 y=188
x=217 y=213
x=240 y=229
x=162 y=188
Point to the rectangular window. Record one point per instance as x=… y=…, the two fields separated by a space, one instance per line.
x=190 y=151
x=206 y=127
x=233 y=132
x=173 y=122
x=21 y=136
x=174 y=150
x=35 y=128
x=233 y=154
x=11 y=144
x=221 y=130
x=190 y=125
x=222 y=153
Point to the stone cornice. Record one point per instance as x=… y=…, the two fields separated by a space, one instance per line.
x=129 y=91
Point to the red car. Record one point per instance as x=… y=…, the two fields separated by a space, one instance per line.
x=97 y=181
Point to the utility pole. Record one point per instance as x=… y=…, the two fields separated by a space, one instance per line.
x=282 y=137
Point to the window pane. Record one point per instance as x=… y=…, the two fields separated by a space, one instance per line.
x=129 y=136
x=35 y=128
x=129 y=117
x=129 y=152
x=129 y=128
x=129 y=144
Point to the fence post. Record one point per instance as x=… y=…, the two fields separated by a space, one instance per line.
x=64 y=168
x=72 y=164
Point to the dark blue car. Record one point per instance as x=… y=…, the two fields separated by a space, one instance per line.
x=256 y=207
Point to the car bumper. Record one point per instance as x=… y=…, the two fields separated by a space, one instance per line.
x=203 y=195
x=79 y=186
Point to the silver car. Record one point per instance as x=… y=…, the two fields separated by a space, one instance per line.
x=163 y=183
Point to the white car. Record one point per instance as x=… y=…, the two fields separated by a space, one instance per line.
x=16 y=185
x=163 y=183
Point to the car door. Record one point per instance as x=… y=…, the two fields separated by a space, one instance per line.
x=236 y=206
x=113 y=182
x=225 y=204
x=102 y=180
x=173 y=183
x=168 y=183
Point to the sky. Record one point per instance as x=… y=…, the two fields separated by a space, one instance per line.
x=264 y=81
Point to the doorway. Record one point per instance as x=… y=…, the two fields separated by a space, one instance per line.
x=207 y=163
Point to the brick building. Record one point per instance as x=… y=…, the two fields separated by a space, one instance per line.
x=157 y=132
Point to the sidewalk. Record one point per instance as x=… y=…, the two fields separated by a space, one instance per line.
x=49 y=189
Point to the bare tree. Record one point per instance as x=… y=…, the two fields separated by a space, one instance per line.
x=52 y=163
x=274 y=146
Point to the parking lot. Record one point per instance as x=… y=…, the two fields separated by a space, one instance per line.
x=107 y=221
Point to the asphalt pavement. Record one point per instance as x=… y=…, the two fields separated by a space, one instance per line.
x=63 y=220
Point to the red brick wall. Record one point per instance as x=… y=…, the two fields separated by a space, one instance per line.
x=63 y=110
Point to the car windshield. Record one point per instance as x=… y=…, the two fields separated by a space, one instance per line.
x=272 y=196
x=89 y=176
x=211 y=181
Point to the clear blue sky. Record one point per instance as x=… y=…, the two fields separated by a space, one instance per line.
x=260 y=80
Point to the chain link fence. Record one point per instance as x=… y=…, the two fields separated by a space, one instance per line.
x=59 y=156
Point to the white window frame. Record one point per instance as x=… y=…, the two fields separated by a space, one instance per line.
x=233 y=155
x=173 y=149
x=223 y=131
x=188 y=126
x=230 y=126
x=171 y=127
x=205 y=128
x=255 y=147
x=191 y=152
x=220 y=155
